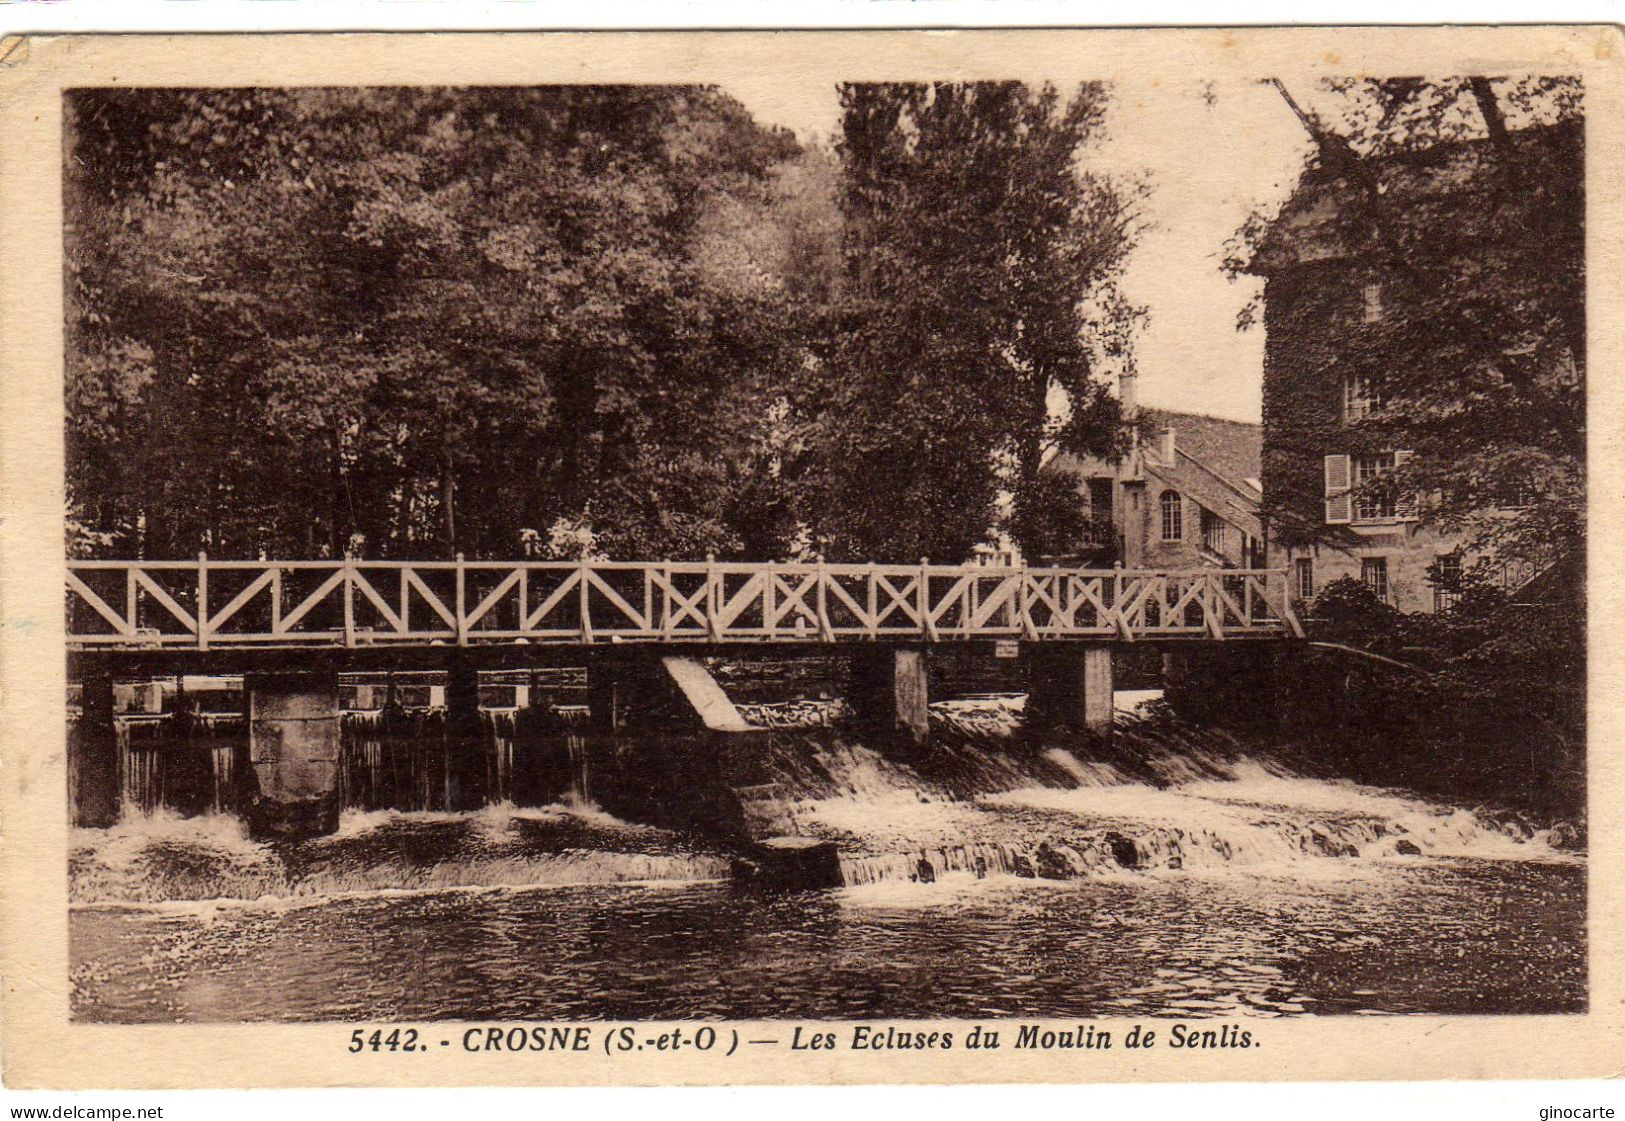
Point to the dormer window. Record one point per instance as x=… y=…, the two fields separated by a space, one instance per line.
x=1371 y=304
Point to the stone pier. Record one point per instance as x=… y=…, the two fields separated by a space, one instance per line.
x=293 y=746
x=889 y=694
x=93 y=778
x=1070 y=688
x=667 y=746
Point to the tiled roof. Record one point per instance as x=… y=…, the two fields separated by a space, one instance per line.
x=1231 y=448
x=1215 y=462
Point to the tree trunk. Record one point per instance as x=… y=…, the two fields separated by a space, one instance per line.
x=448 y=502
x=336 y=537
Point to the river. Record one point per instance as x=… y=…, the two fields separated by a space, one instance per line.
x=1184 y=874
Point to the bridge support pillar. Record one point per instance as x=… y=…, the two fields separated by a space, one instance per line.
x=610 y=686
x=293 y=746
x=890 y=694
x=470 y=761
x=93 y=779
x=667 y=746
x=1070 y=688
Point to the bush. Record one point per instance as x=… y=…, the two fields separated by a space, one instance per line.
x=1497 y=713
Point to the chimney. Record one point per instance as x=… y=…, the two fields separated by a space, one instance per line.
x=1128 y=396
x=1166 y=445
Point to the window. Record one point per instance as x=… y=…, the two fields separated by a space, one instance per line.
x=1371 y=304
x=1519 y=496
x=1304 y=577
x=1446 y=577
x=1374 y=572
x=1346 y=473
x=1360 y=398
x=1367 y=468
x=1252 y=552
x=1212 y=532
x=1173 y=516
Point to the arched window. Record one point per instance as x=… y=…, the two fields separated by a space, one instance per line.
x=1173 y=516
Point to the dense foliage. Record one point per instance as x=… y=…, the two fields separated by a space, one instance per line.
x=622 y=320
x=1464 y=200
x=976 y=252
x=1494 y=705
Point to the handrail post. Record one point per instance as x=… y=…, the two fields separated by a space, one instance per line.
x=349 y=600
x=665 y=600
x=769 y=623
x=202 y=600
x=1288 y=613
x=648 y=598
x=462 y=611
x=524 y=594
x=584 y=594
x=711 y=599
x=922 y=595
x=825 y=631
x=872 y=582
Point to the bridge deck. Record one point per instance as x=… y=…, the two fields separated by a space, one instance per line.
x=124 y=605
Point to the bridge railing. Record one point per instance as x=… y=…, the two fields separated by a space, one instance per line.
x=360 y=603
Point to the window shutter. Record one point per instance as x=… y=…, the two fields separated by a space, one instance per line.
x=1338 y=510
x=1404 y=503
x=1337 y=474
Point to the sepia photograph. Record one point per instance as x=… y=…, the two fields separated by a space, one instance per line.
x=752 y=541
x=949 y=558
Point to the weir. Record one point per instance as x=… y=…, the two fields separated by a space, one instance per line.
x=1176 y=797
x=659 y=739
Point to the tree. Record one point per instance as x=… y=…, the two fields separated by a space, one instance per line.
x=975 y=244
x=1464 y=199
x=419 y=320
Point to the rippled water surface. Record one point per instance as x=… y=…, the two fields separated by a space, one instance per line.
x=1456 y=936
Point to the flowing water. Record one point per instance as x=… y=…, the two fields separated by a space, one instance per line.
x=1180 y=873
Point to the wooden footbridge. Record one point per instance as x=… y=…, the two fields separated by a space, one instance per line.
x=203 y=604
x=290 y=626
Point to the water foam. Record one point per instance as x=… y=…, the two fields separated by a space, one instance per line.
x=1166 y=798
x=979 y=807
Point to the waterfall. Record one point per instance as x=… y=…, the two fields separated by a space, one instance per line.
x=514 y=805
x=182 y=761
x=1162 y=797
